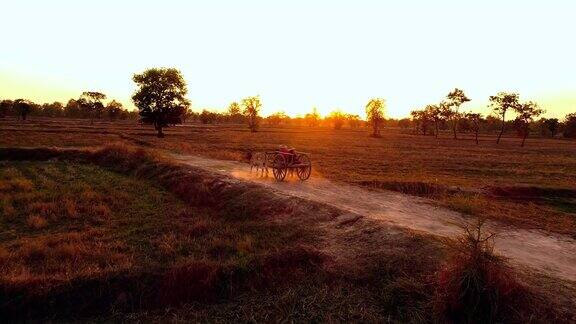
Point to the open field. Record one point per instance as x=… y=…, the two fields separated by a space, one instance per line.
x=168 y=240
x=530 y=187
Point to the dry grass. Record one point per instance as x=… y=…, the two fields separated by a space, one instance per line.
x=135 y=247
x=424 y=166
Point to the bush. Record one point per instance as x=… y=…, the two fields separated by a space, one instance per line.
x=476 y=286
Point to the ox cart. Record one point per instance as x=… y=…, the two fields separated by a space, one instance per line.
x=283 y=163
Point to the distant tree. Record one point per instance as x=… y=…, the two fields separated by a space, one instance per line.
x=313 y=118
x=251 y=111
x=526 y=113
x=207 y=117
x=114 y=110
x=455 y=99
x=404 y=123
x=570 y=126
x=22 y=107
x=474 y=119
x=234 y=112
x=5 y=108
x=375 y=114
x=501 y=103
x=435 y=113
x=277 y=118
x=353 y=120
x=337 y=118
x=54 y=109
x=161 y=97
x=549 y=126
x=422 y=120
x=92 y=102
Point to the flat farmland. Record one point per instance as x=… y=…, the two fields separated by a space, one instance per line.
x=532 y=186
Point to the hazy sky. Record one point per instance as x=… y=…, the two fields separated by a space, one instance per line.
x=294 y=54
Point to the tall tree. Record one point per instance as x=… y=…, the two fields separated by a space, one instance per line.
x=234 y=112
x=455 y=99
x=252 y=108
x=22 y=107
x=501 y=103
x=474 y=119
x=161 y=97
x=375 y=114
x=526 y=113
x=92 y=101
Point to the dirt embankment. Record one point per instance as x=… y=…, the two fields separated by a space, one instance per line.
x=548 y=253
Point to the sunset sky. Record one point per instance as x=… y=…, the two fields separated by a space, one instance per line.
x=295 y=54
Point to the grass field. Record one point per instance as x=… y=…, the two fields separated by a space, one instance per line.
x=530 y=187
x=118 y=234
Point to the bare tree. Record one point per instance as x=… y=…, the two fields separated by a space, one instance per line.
x=501 y=103
x=526 y=113
x=375 y=114
x=252 y=108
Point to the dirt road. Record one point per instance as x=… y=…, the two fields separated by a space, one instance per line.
x=554 y=255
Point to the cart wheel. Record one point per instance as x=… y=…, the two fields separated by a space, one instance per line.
x=279 y=167
x=306 y=169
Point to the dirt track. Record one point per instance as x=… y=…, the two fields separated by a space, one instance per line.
x=551 y=254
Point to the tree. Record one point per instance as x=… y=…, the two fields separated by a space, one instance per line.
x=421 y=119
x=570 y=126
x=234 y=112
x=549 y=126
x=375 y=114
x=22 y=107
x=474 y=119
x=54 y=109
x=161 y=97
x=435 y=113
x=353 y=120
x=92 y=101
x=455 y=99
x=5 y=108
x=337 y=118
x=313 y=118
x=277 y=118
x=251 y=111
x=114 y=109
x=526 y=113
x=501 y=103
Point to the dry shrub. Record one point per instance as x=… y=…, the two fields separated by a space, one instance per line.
x=189 y=282
x=167 y=244
x=476 y=286
x=36 y=222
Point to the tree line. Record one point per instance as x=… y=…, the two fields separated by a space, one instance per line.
x=90 y=105
x=161 y=101
x=445 y=114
